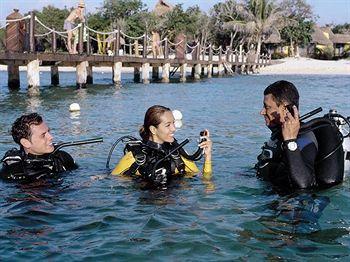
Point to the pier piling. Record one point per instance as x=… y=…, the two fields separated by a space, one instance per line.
x=166 y=73
x=145 y=73
x=155 y=72
x=81 y=72
x=137 y=74
x=221 y=70
x=55 y=78
x=118 y=51
x=90 y=76
x=210 y=70
x=183 y=68
x=197 y=71
x=117 y=73
x=13 y=76
x=33 y=73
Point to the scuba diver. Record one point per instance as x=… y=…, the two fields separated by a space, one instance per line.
x=37 y=156
x=159 y=157
x=298 y=155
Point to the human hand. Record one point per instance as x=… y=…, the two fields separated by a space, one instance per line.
x=206 y=145
x=290 y=125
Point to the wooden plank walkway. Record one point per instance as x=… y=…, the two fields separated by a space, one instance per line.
x=126 y=52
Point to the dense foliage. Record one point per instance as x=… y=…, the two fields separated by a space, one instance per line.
x=342 y=29
x=243 y=24
x=299 y=24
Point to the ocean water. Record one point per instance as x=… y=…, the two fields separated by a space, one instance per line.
x=90 y=215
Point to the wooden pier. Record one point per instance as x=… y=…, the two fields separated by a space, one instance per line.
x=126 y=51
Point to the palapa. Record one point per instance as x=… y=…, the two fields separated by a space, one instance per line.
x=319 y=37
x=162 y=7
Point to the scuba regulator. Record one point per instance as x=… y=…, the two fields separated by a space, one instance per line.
x=199 y=153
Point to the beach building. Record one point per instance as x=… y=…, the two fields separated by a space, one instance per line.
x=341 y=44
x=273 y=43
x=323 y=38
x=279 y=48
x=323 y=42
x=162 y=7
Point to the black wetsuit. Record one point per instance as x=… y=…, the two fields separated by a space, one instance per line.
x=289 y=170
x=19 y=166
x=150 y=161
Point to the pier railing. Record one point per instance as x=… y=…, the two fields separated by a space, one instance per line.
x=118 y=43
x=101 y=48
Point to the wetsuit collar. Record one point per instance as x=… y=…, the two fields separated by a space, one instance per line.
x=154 y=145
x=32 y=156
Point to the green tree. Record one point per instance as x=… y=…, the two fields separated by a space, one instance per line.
x=299 y=24
x=177 y=21
x=131 y=13
x=199 y=24
x=191 y=22
x=222 y=13
x=342 y=29
x=256 y=19
x=98 y=22
x=52 y=17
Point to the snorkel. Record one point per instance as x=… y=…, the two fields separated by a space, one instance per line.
x=77 y=143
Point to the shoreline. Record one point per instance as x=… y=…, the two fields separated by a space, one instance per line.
x=286 y=66
x=307 y=66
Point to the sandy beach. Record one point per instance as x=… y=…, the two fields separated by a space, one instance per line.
x=290 y=66
x=307 y=66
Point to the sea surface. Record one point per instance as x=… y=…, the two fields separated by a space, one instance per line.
x=89 y=215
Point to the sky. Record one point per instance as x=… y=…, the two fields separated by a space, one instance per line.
x=328 y=11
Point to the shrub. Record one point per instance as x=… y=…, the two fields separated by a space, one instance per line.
x=324 y=54
x=278 y=55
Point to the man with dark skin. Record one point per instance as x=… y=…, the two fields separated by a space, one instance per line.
x=288 y=158
x=36 y=157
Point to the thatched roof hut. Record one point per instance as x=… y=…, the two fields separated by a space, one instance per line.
x=341 y=39
x=327 y=31
x=162 y=7
x=320 y=37
x=325 y=36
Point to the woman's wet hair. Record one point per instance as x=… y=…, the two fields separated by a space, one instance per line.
x=21 y=127
x=283 y=91
x=152 y=118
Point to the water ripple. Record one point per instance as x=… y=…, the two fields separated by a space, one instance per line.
x=92 y=216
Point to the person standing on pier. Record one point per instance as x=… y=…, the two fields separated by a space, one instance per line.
x=156 y=45
x=76 y=15
x=37 y=157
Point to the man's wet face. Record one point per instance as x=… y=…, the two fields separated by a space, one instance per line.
x=40 y=141
x=272 y=112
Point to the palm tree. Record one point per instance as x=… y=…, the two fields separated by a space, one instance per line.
x=256 y=19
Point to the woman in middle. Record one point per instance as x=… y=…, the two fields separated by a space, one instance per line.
x=158 y=157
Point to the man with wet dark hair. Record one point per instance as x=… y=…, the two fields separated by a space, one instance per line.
x=283 y=91
x=21 y=127
x=288 y=158
x=36 y=157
